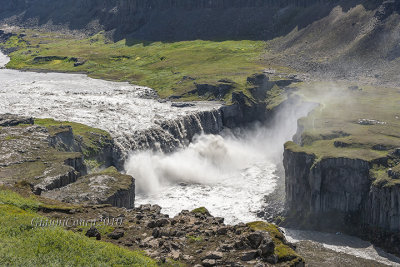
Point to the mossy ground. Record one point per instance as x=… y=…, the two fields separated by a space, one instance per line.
x=334 y=130
x=169 y=68
x=201 y=210
x=21 y=244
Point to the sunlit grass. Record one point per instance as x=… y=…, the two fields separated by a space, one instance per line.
x=22 y=244
x=159 y=65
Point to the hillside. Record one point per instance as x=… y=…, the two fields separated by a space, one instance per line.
x=174 y=20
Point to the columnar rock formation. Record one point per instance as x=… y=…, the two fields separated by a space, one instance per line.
x=339 y=194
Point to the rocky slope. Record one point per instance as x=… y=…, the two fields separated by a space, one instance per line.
x=50 y=158
x=193 y=238
x=357 y=43
x=163 y=20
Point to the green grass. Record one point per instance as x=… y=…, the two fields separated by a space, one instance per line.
x=159 y=65
x=336 y=120
x=381 y=177
x=21 y=244
x=332 y=129
x=11 y=137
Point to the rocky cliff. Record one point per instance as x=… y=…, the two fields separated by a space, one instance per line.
x=174 y=19
x=169 y=135
x=339 y=194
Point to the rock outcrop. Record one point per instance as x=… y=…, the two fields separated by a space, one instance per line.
x=106 y=187
x=339 y=194
x=26 y=155
x=194 y=238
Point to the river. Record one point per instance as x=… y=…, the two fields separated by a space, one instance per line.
x=228 y=173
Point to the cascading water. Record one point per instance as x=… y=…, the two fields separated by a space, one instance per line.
x=228 y=173
x=222 y=174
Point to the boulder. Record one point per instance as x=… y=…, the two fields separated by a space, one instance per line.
x=117 y=234
x=93 y=232
x=249 y=255
x=214 y=255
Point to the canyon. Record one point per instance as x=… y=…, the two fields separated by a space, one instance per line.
x=323 y=110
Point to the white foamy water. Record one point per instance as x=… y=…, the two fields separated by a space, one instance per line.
x=343 y=243
x=228 y=175
x=119 y=108
x=225 y=175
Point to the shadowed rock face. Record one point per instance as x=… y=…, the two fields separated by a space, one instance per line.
x=338 y=194
x=163 y=20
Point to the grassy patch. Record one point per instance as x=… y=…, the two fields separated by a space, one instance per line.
x=169 y=68
x=201 y=210
x=193 y=239
x=381 y=178
x=22 y=244
x=334 y=129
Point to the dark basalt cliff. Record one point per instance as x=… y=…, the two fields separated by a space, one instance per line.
x=339 y=194
x=174 y=19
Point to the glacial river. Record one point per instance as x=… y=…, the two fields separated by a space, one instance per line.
x=228 y=174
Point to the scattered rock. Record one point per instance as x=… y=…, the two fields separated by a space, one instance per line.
x=273 y=259
x=93 y=232
x=162 y=222
x=214 y=255
x=254 y=239
x=249 y=255
x=185 y=78
x=7 y=120
x=208 y=262
x=116 y=234
x=222 y=231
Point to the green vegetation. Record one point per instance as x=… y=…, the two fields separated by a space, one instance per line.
x=93 y=139
x=22 y=244
x=357 y=124
x=201 y=210
x=11 y=137
x=284 y=252
x=192 y=238
x=381 y=177
x=93 y=165
x=169 y=68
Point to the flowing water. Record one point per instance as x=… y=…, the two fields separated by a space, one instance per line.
x=228 y=173
x=119 y=108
